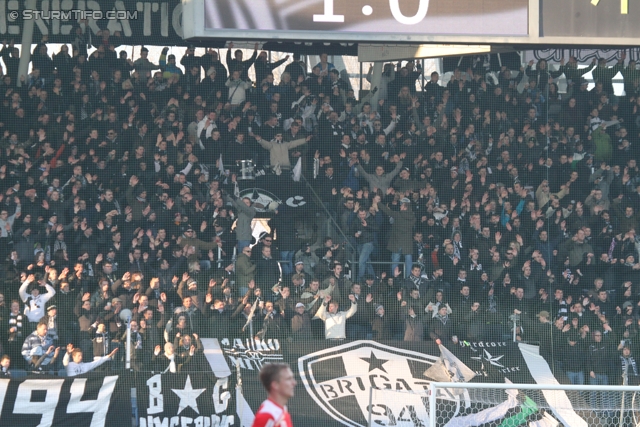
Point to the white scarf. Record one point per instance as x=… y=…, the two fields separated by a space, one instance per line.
x=172 y=364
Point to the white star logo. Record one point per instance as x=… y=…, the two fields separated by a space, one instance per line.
x=188 y=396
x=489 y=358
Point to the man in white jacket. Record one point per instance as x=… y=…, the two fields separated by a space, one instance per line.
x=237 y=89
x=335 y=321
x=34 y=301
x=75 y=366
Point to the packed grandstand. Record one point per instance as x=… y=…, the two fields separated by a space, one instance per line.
x=491 y=208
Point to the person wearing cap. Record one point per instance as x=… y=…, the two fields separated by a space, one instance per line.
x=168 y=65
x=263 y=239
x=211 y=59
x=301 y=324
x=382 y=325
x=400 y=239
x=188 y=286
x=51 y=319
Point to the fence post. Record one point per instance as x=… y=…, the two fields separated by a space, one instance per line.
x=432 y=405
x=625 y=377
x=370 y=405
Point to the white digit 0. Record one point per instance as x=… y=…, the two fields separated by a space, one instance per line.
x=423 y=7
x=328 y=15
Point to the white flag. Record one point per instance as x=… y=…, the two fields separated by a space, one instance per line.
x=449 y=368
x=243 y=410
x=297 y=170
x=220 y=165
x=487 y=415
x=221 y=170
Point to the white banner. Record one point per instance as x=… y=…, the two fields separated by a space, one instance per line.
x=584 y=56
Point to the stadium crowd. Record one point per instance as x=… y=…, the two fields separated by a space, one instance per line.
x=502 y=207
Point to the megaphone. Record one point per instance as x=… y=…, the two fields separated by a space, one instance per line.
x=125 y=315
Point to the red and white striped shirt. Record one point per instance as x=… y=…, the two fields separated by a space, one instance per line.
x=271 y=414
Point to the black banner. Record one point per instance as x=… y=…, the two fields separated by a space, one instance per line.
x=583 y=56
x=138 y=22
x=186 y=399
x=292 y=197
x=334 y=380
x=92 y=400
x=339 y=383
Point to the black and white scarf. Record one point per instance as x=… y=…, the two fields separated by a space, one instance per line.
x=629 y=365
x=444 y=319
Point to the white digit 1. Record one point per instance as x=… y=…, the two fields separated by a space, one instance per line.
x=328 y=15
x=423 y=7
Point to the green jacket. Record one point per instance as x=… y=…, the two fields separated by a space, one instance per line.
x=603 y=146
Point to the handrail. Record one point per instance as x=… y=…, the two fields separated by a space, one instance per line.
x=332 y=219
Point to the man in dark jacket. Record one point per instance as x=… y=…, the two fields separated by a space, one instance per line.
x=401 y=236
x=601 y=360
x=263 y=66
x=268 y=272
x=363 y=230
x=238 y=64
